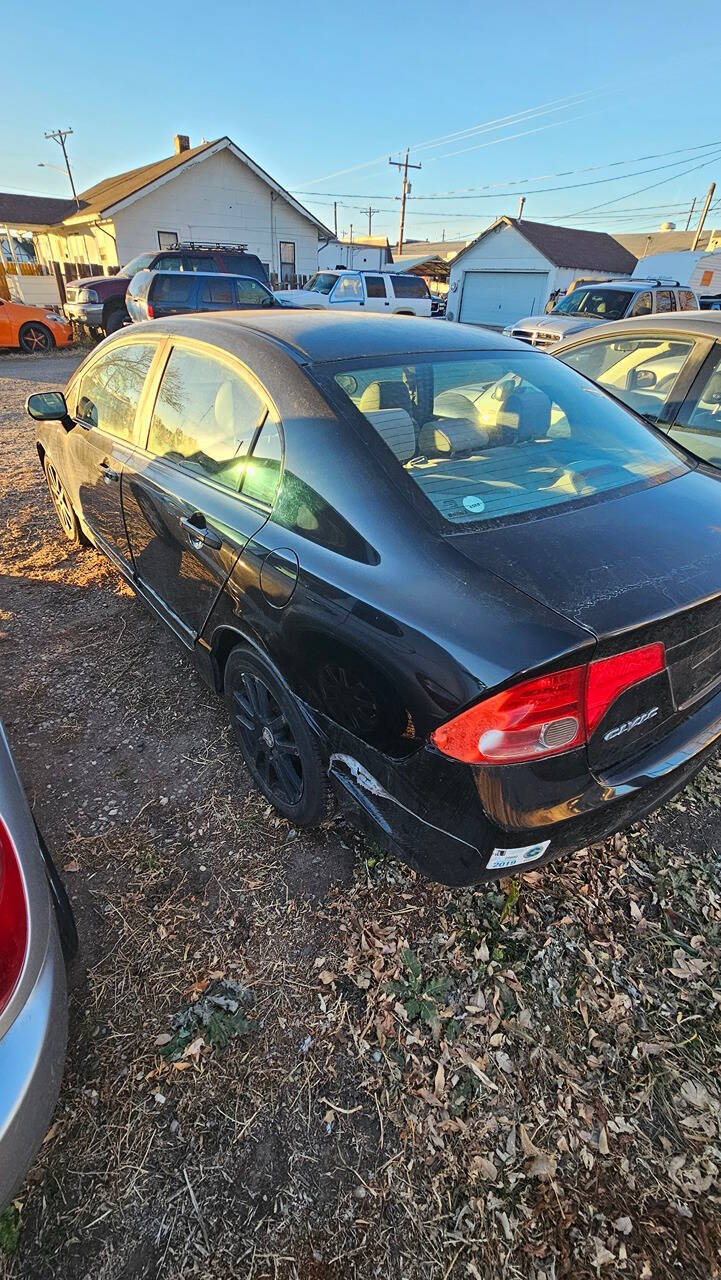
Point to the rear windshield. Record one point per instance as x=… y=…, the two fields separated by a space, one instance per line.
x=607 y=304
x=493 y=436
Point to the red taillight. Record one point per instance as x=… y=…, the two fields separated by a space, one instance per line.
x=547 y=715
x=13 y=917
x=151 y=311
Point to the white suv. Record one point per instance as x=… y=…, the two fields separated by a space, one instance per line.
x=398 y=294
x=597 y=303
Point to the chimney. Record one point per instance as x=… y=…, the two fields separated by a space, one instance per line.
x=181 y=142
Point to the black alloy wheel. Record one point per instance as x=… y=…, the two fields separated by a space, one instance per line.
x=276 y=742
x=63 y=507
x=35 y=338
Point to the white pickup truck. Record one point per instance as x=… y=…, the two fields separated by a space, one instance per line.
x=397 y=294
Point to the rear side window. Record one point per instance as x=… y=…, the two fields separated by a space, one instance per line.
x=640 y=371
x=205 y=417
x=375 y=286
x=665 y=300
x=499 y=436
x=110 y=391
x=409 y=287
x=217 y=293
x=262 y=473
x=245 y=264
x=687 y=301
x=176 y=289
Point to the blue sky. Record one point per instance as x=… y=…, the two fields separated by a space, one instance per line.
x=309 y=91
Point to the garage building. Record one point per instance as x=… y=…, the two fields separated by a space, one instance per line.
x=511 y=269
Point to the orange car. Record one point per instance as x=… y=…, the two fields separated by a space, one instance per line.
x=32 y=329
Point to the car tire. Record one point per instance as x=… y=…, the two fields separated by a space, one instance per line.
x=64 y=509
x=35 y=338
x=115 y=321
x=278 y=746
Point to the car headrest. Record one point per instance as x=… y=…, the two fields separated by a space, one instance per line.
x=525 y=411
x=451 y=436
x=225 y=408
x=454 y=404
x=395 y=426
x=385 y=395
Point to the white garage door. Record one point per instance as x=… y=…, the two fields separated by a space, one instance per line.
x=499 y=298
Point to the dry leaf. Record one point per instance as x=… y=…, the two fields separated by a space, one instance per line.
x=72 y=865
x=326 y=977
x=439 y=1083
x=164 y=1038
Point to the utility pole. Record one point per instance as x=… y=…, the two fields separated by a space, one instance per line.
x=335 y=218
x=702 y=219
x=690 y=214
x=59 y=136
x=405 y=166
x=370 y=213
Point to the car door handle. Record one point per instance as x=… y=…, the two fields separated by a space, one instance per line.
x=200 y=535
x=109 y=475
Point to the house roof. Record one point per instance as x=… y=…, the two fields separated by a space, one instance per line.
x=33 y=211
x=432 y=248
x=101 y=199
x=567 y=246
x=644 y=243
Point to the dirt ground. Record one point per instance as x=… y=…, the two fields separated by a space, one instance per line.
x=375 y=1077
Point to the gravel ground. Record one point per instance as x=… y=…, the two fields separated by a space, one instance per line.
x=289 y=1056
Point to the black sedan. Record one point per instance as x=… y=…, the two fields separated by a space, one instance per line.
x=429 y=566
x=667 y=368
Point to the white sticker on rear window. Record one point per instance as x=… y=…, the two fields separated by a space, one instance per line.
x=473 y=503
x=516 y=857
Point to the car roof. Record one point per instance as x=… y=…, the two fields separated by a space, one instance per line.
x=701 y=324
x=320 y=336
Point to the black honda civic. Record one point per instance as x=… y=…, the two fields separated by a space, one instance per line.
x=429 y=568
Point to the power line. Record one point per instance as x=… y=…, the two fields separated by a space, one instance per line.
x=630 y=194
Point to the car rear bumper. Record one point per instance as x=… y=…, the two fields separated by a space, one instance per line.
x=452 y=821
x=32 y=1055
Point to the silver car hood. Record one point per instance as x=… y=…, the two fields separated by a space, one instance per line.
x=560 y=325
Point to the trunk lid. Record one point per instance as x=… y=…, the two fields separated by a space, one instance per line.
x=635 y=569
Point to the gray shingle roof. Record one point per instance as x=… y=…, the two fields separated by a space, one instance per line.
x=568 y=246
x=33 y=211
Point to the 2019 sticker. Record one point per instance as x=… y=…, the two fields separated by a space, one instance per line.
x=517 y=857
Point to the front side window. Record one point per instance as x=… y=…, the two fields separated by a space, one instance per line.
x=409 y=287
x=348 y=289
x=250 y=293
x=109 y=393
x=375 y=286
x=605 y=304
x=498 y=436
x=641 y=371
x=205 y=417
x=665 y=300
x=643 y=306
x=698 y=425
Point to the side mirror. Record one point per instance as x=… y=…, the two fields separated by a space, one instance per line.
x=47 y=406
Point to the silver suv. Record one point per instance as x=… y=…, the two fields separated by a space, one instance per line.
x=598 y=303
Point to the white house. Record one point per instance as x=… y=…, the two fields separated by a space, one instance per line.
x=212 y=193
x=363 y=253
x=511 y=269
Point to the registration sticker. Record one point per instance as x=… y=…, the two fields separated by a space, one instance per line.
x=517 y=857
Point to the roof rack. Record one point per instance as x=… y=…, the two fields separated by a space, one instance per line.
x=660 y=280
x=208 y=244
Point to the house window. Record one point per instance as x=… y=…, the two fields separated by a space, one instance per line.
x=167 y=239
x=287 y=261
